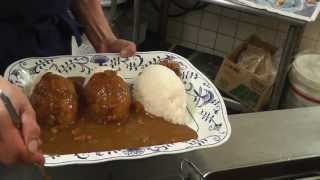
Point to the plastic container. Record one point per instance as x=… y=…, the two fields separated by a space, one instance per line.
x=304 y=82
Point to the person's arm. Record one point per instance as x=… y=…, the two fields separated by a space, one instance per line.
x=16 y=147
x=98 y=30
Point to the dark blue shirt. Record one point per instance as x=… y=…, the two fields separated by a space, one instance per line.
x=35 y=8
x=35 y=28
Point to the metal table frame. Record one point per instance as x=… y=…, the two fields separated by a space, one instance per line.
x=293 y=39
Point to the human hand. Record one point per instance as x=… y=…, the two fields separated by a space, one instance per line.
x=98 y=29
x=18 y=147
x=311 y=1
x=124 y=47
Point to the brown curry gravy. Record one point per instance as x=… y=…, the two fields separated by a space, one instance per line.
x=141 y=129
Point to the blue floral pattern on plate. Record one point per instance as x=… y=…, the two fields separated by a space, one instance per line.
x=206 y=110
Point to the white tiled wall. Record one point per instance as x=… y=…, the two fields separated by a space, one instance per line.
x=217 y=30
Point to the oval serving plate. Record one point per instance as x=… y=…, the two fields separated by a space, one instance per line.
x=206 y=110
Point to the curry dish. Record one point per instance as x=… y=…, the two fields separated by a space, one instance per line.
x=87 y=134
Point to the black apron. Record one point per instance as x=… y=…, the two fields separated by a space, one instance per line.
x=35 y=28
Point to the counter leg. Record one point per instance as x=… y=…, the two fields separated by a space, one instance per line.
x=291 y=45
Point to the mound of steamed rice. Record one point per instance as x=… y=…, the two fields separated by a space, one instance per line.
x=162 y=93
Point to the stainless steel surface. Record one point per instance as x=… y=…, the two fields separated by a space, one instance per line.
x=287 y=170
x=195 y=171
x=234 y=105
x=11 y=110
x=257 y=138
x=266 y=137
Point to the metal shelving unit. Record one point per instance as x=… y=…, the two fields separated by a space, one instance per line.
x=294 y=35
x=292 y=42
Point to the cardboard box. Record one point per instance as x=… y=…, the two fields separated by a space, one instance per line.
x=242 y=85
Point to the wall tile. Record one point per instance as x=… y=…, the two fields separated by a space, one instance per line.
x=193 y=18
x=206 y=38
x=230 y=13
x=190 y=33
x=224 y=43
x=210 y=21
x=245 y=30
x=180 y=18
x=219 y=30
x=174 y=29
x=283 y=27
x=307 y=43
x=280 y=39
x=312 y=30
x=249 y=18
x=237 y=43
x=317 y=46
x=267 y=35
x=228 y=26
x=173 y=41
x=269 y=22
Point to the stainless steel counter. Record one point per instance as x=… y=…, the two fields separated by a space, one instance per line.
x=256 y=138
x=265 y=137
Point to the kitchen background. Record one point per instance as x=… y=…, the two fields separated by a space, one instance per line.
x=204 y=36
x=217 y=30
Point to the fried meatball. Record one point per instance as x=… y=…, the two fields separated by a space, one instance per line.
x=171 y=65
x=55 y=101
x=107 y=97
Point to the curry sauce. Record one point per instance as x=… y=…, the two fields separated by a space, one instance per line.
x=86 y=135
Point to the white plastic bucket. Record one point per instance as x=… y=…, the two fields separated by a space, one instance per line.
x=304 y=82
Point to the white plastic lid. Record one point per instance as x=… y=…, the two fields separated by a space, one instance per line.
x=307 y=67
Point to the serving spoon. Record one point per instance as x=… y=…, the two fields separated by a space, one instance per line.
x=18 y=124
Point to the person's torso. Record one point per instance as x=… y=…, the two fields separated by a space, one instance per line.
x=32 y=8
x=38 y=28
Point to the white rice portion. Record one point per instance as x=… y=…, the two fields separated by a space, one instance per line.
x=162 y=93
